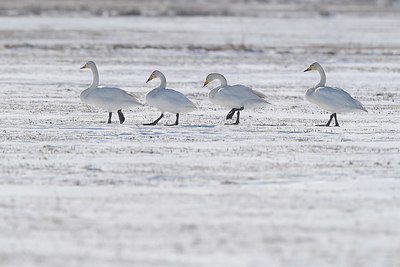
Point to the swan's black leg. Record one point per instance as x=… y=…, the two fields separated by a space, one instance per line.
x=330 y=119
x=121 y=116
x=109 y=117
x=238 y=115
x=329 y=122
x=156 y=121
x=336 y=122
x=176 y=121
x=237 y=118
x=231 y=113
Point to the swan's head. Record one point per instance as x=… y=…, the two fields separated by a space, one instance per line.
x=313 y=66
x=211 y=77
x=89 y=64
x=155 y=74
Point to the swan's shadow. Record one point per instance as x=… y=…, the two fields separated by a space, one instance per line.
x=199 y=126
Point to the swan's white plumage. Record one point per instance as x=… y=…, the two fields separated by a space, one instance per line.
x=334 y=100
x=167 y=100
x=108 y=98
x=234 y=96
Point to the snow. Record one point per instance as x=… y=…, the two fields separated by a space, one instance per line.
x=273 y=191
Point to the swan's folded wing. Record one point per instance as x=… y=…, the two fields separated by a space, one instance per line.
x=115 y=95
x=172 y=101
x=241 y=91
x=337 y=97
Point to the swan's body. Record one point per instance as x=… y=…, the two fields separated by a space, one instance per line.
x=334 y=100
x=167 y=100
x=108 y=98
x=236 y=97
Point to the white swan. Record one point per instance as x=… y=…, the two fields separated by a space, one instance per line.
x=334 y=100
x=236 y=97
x=167 y=100
x=108 y=98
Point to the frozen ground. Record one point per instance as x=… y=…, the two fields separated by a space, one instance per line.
x=274 y=191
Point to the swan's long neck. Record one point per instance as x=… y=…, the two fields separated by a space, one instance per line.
x=95 y=82
x=221 y=78
x=163 y=84
x=323 y=77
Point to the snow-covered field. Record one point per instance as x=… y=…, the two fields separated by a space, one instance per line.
x=273 y=191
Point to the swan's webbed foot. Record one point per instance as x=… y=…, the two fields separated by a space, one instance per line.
x=121 y=116
x=176 y=121
x=235 y=123
x=109 y=117
x=156 y=121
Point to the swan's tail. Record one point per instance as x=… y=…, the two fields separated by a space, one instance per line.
x=360 y=105
x=135 y=99
x=190 y=106
x=259 y=94
x=251 y=103
x=133 y=96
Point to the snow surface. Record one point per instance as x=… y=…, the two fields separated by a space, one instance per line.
x=273 y=191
